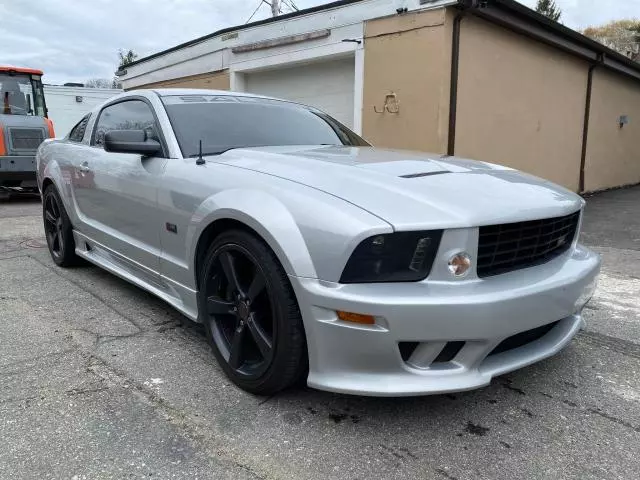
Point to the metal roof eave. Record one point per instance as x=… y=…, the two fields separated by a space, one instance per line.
x=236 y=28
x=521 y=19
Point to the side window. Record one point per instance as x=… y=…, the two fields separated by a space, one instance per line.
x=77 y=132
x=127 y=115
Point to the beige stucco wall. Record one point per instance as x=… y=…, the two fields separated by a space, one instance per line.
x=613 y=153
x=520 y=103
x=213 y=80
x=409 y=55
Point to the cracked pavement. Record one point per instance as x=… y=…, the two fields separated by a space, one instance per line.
x=101 y=380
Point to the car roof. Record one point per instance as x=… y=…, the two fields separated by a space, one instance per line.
x=167 y=92
x=176 y=92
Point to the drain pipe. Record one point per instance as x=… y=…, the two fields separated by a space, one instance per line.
x=463 y=5
x=587 y=113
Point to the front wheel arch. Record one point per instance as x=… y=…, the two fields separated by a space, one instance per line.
x=209 y=234
x=258 y=212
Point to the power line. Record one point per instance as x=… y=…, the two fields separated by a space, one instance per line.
x=256 y=10
x=290 y=4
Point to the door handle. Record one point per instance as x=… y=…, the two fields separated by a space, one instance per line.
x=84 y=167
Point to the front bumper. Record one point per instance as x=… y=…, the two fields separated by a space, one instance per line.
x=17 y=168
x=482 y=313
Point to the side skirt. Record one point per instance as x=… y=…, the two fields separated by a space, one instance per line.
x=178 y=296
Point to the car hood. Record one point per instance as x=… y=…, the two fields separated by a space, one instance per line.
x=413 y=190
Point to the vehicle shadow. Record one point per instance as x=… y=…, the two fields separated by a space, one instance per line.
x=397 y=428
x=16 y=198
x=340 y=406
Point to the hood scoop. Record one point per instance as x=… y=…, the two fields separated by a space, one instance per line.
x=424 y=174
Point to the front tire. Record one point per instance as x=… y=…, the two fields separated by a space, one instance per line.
x=58 y=229
x=251 y=315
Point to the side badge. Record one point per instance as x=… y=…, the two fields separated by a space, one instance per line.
x=172 y=227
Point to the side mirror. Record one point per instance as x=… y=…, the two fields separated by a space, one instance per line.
x=131 y=141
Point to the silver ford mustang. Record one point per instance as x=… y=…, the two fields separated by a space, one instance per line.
x=307 y=253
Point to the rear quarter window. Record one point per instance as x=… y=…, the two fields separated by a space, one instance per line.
x=77 y=133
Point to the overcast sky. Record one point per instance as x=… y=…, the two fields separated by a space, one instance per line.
x=75 y=40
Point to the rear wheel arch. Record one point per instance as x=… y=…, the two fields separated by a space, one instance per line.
x=50 y=180
x=46 y=182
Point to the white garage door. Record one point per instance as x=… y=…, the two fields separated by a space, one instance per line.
x=327 y=86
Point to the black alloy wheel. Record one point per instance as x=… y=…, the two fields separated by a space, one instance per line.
x=53 y=226
x=240 y=312
x=250 y=314
x=58 y=229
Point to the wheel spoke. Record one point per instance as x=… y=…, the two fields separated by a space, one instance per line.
x=260 y=337
x=217 y=306
x=54 y=207
x=49 y=217
x=229 y=269
x=55 y=244
x=257 y=285
x=235 y=350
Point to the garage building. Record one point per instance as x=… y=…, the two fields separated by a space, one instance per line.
x=490 y=80
x=66 y=105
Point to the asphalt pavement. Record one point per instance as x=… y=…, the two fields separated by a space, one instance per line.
x=101 y=380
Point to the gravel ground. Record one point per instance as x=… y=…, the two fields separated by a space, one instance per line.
x=102 y=380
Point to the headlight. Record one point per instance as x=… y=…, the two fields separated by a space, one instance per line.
x=393 y=257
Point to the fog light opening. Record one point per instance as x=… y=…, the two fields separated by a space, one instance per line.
x=356 y=318
x=459 y=264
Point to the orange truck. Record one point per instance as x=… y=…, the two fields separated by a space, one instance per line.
x=24 y=125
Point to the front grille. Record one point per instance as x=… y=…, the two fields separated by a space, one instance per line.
x=26 y=138
x=512 y=246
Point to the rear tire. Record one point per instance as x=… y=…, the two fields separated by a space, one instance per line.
x=251 y=316
x=58 y=229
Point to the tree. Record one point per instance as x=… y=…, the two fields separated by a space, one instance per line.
x=549 y=9
x=98 y=83
x=126 y=57
x=621 y=35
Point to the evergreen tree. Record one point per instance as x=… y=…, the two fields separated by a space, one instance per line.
x=549 y=9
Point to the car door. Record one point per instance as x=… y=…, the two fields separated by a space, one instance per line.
x=116 y=193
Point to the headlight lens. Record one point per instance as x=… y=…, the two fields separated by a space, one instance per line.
x=393 y=257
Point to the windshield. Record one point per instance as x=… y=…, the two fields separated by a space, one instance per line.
x=226 y=122
x=21 y=95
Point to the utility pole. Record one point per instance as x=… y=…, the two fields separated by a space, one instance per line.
x=275 y=8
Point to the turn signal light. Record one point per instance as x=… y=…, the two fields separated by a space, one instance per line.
x=356 y=318
x=459 y=264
